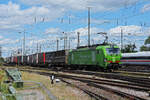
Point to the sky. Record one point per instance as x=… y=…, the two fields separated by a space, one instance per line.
x=46 y=21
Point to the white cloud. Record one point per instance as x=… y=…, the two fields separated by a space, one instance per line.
x=8 y=41
x=132 y=34
x=13 y=18
x=5 y=41
x=1 y=37
x=98 y=5
x=127 y=30
x=148 y=30
x=50 y=40
x=84 y=31
x=52 y=30
x=54 y=33
x=96 y=21
x=145 y=8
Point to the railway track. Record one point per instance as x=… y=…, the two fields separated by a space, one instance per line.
x=92 y=94
x=140 y=74
x=97 y=84
x=136 y=68
x=123 y=94
x=125 y=84
x=140 y=81
x=130 y=82
x=134 y=86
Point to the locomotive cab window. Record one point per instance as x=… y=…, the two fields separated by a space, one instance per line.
x=112 y=50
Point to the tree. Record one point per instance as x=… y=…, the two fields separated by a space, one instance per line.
x=129 y=48
x=144 y=47
x=1 y=61
x=147 y=41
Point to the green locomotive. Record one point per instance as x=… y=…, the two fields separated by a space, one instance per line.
x=100 y=57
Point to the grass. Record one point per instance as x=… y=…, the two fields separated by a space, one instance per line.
x=3 y=86
x=33 y=77
x=61 y=90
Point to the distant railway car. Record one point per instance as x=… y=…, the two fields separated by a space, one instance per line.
x=56 y=58
x=15 y=60
x=48 y=58
x=11 y=60
x=34 y=59
x=105 y=57
x=60 y=57
x=138 y=58
x=40 y=58
x=8 y=60
x=19 y=60
x=24 y=60
x=29 y=60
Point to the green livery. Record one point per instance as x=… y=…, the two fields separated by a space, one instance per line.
x=105 y=57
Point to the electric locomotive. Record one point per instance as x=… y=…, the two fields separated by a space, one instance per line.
x=99 y=57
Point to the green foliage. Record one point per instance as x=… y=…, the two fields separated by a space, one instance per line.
x=145 y=48
x=129 y=48
x=4 y=86
x=17 y=84
x=147 y=41
x=1 y=61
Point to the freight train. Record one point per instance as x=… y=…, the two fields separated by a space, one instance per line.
x=104 y=57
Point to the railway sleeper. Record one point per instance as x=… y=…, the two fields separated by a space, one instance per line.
x=94 y=95
x=131 y=97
